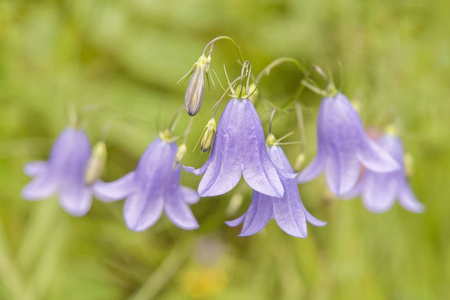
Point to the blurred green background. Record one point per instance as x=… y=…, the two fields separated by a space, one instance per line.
x=120 y=60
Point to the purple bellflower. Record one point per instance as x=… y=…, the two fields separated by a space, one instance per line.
x=343 y=146
x=63 y=173
x=152 y=188
x=379 y=190
x=239 y=149
x=288 y=212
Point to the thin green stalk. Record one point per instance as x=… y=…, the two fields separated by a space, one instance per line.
x=161 y=276
x=11 y=277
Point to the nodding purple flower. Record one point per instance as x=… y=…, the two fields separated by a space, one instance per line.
x=152 y=188
x=379 y=190
x=239 y=148
x=343 y=146
x=63 y=173
x=288 y=212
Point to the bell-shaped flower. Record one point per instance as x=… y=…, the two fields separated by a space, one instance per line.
x=239 y=148
x=380 y=190
x=343 y=146
x=288 y=212
x=63 y=173
x=152 y=188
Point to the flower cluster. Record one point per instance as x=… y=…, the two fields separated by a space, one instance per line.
x=63 y=173
x=353 y=164
x=152 y=188
x=379 y=190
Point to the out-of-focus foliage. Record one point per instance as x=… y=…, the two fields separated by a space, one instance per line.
x=119 y=61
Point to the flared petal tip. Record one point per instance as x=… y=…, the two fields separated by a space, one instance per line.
x=190 y=196
x=189 y=226
x=340 y=191
x=235 y=222
x=317 y=222
x=296 y=233
x=247 y=233
x=418 y=208
x=215 y=190
x=376 y=159
x=277 y=193
x=288 y=175
x=34 y=168
x=76 y=211
x=29 y=195
x=378 y=209
x=193 y=170
x=137 y=226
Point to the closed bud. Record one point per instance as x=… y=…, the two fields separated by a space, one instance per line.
x=96 y=163
x=208 y=136
x=194 y=93
x=253 y=93
x=180 y=154
x=271 y=140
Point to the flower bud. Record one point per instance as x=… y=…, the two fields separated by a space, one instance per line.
x=252 y=89
x=96 y=163
x=271 y=140
x=194 y=93
x=208 y=136
x=180 y=154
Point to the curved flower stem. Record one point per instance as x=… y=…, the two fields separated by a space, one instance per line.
x=225 y=93
x=330 y=89
x=279 y=61
x=188 y=130
x=223 y=37
x=271 y=118
x=174 y=121
x=301 y=125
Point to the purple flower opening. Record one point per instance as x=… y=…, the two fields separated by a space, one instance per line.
x=152 y=188
x=342 y=146
x=288 y=212
x=239 y=149
x=63 y=173
x=379 y=190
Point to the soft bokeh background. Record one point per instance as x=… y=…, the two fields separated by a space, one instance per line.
x=120 y=61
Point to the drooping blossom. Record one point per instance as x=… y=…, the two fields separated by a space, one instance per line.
x=239 y=149
x=63 y=173
x=288 y=212
x=343 y=146
x=379 y=190
x=152 y=188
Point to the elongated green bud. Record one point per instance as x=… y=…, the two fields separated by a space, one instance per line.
x=96 y=163
x=194 y=94
x=208 y=137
